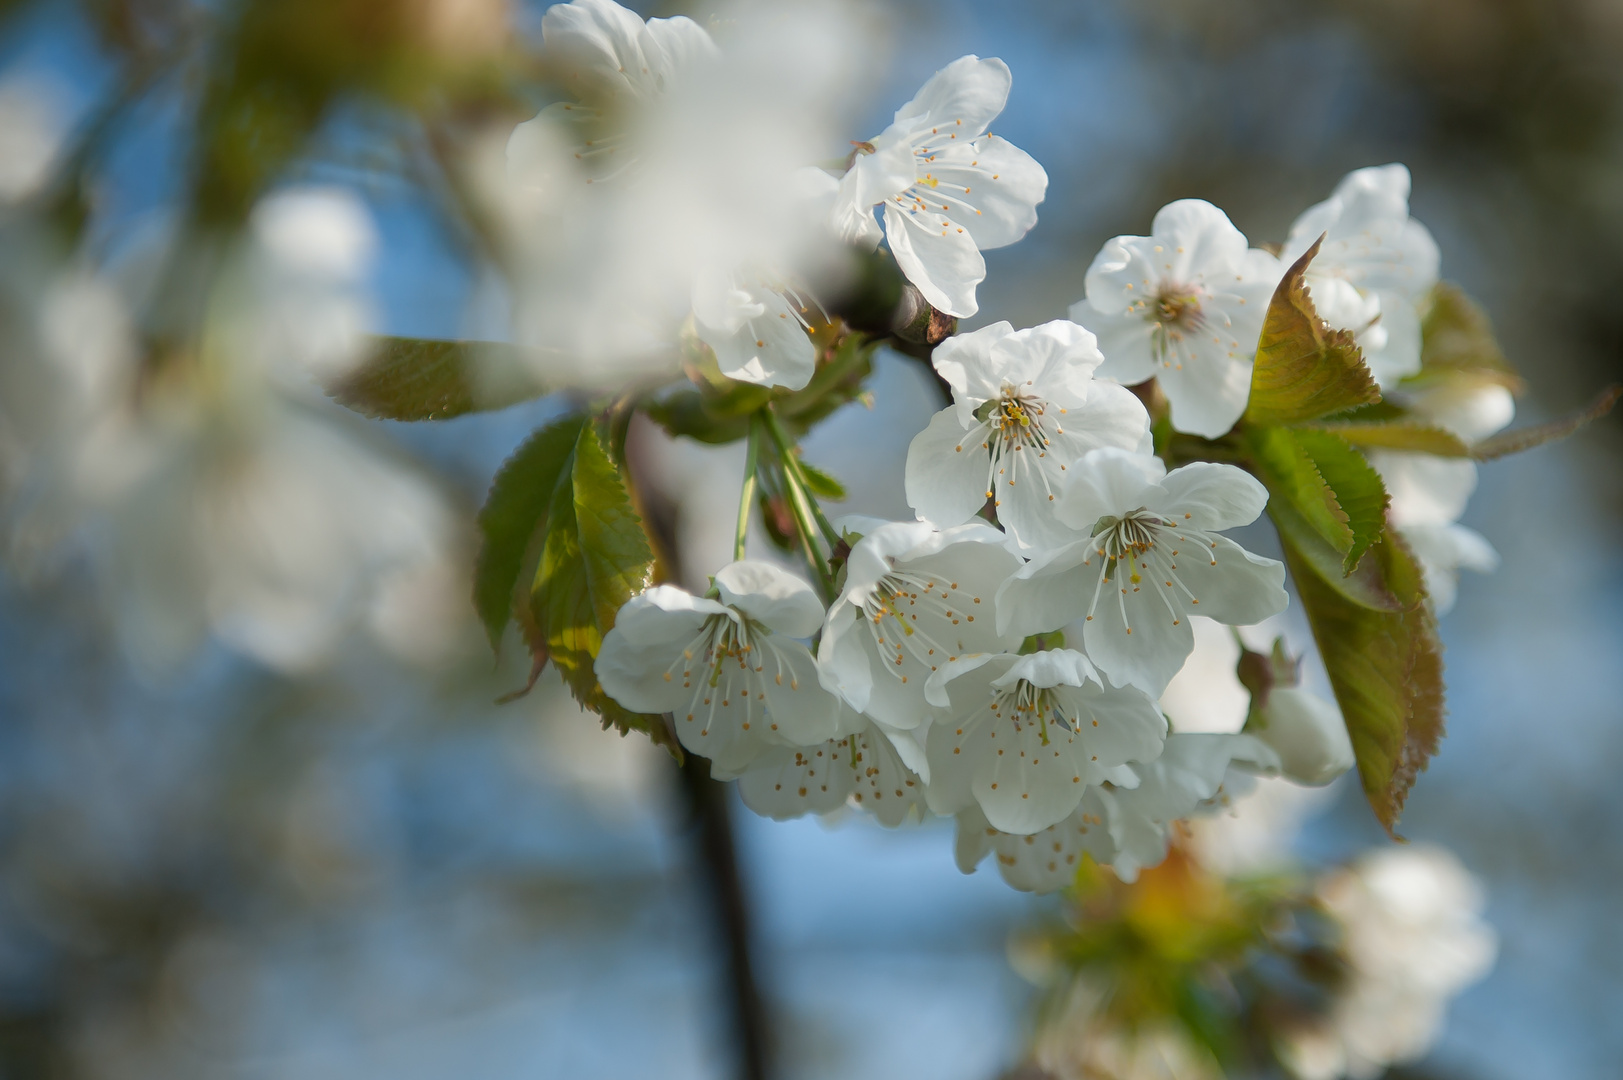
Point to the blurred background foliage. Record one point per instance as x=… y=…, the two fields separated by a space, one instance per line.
x=372 y=870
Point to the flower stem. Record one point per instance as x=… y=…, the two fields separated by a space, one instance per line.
x=791 y=464
x=746 y=494
x=803 y=507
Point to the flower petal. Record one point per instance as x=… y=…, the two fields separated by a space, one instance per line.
x=1232 y=585
x=799 y=709
x=772 y=595
x=968 y=364
x=1108 y=481
x=1047 y=592
x=946 y=471
x=1212 y=497
x=937 y=256
x=1158 y=644
x=995 y=185
x=1208 y=393
x=1024 y=783
x=967 y=94
x=792 y=781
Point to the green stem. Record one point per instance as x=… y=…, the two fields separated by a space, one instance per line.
x=746 y=495
x=791 y=464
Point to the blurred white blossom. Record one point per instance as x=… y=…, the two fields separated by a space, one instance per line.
x=1415 y=938
x=33 y=127
x=679 y=160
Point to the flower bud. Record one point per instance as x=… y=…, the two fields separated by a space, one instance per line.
x=1308 y=734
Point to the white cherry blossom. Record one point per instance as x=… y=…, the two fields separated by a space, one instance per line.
x=1308 y=734
x=1375 y=269
x=756 y=326
x=863 y=767
x=1191 y=776
x=1125 y=823
x=1025 y=736
x=949 y=190
x=1025 y=407
x=606 y=52
x=914 y=599
x=728 y=670
x=1184 y=306
x=1041 y=862
x=1154 y=558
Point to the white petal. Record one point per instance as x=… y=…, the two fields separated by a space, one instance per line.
x=974 y=839
x=1212 y=497
x=1159 y=643
x=1197 y=241
x=772 y=595
x=1055 y=361
x=664 y=614
x=1117 y=724
x=1023 y=784
x=792 y=781
x=1125 y=340
x=1444 y=550
x=765 y=343
x=1425 y=490
x=966 y=96
x=884 y=785
x=967 y=363
x=1470 y=411
x=1208 y=393
x=799 y=709
x=938 y=256
x=1108 y=481
x=992 y=186
x=600 y=46
x=726 y=723
x=1048 y=861
x=1308 y=734
x=872 y=179
x=681 y=45
x=634 y=676
x=1233 y=585
x=946 y=471
x=1047 y=592
x=842 y=664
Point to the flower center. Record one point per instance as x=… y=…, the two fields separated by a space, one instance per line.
x=1179 y=306
x=1147 y=547
x=1014 y=426
x=1025 y=704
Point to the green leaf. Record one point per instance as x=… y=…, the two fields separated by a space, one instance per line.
x=821 y=484
x=594 y=557
x=1293 y=478
x=1457 y=339
x=1304 y=370
x=1355 y=486
x=1328 y=502
x=1404 y=435
x=1386 y=669
x=514 y=510
x=1514 y=442
x=417 y=379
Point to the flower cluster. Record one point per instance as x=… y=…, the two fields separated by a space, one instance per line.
x=1001 y=659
